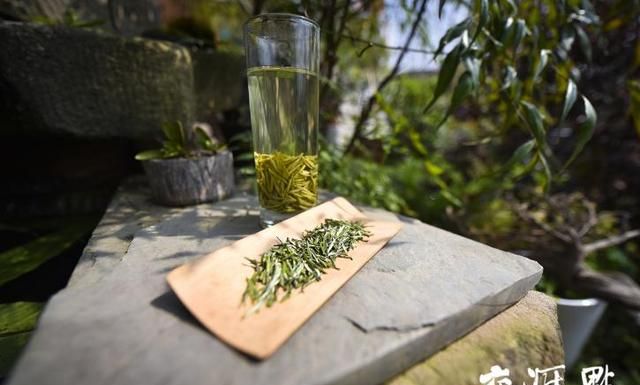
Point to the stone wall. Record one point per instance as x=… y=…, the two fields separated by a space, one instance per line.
x=30 y=9
x=65 y=90
x=73 y=81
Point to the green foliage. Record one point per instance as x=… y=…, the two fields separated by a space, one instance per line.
x=179 y=143
x=505 y=49
x=441 y=181
x=569 y=99
x=17 y=320
x=70 y=18
x=360 y=180
x=24 y=258
x=18 y=317
x=584 y=131
x=634 y=108
x=446 y=74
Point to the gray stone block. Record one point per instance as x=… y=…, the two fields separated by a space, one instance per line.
x=30 y=9
x=119 y=323
x=72 y=81
x=524 y=336
x=219 y=81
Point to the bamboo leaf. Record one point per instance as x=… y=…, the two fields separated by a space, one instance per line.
x=512 y=5
x=567 y=37
x=534 y=120
x=585 y=130
x=484 y=17
x=585 y=43
x=547 y=169
x=520 y=154
x=509 y=76
x=569 y=99
x=472 y=65
x=542 y=63
x=519 y=30
x=447 y=71
x=452 y=34
x=462 y=90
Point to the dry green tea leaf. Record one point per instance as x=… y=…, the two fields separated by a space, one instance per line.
x=295 y=263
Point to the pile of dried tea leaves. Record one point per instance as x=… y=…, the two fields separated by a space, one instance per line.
x=295 y=263
x=287 y=183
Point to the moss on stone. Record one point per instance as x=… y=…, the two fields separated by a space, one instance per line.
x=525 y=335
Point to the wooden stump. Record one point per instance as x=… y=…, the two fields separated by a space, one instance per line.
x=181 y=181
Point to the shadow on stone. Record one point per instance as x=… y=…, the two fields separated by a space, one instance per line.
x=170 y=303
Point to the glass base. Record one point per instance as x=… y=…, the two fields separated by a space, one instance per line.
x=269 y=218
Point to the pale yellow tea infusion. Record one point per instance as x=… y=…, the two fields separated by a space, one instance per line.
x=287 y=183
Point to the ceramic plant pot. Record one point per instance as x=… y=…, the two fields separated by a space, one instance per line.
x=578 y=318
x=183 y=181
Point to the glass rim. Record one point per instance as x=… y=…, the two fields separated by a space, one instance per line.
x=280 y=16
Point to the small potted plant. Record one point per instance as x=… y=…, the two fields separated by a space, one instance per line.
x=191 y=167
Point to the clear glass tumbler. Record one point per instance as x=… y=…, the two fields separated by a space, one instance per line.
x=282 y=69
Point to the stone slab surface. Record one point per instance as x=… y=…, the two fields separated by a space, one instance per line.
x=527 y=335
x=118 y=323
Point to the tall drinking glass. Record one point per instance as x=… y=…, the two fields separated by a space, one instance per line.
x=282 y=69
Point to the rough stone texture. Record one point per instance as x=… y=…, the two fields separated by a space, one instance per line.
x=126 y=17
x=29 y=9
x=181 y=182
x=219 y=79
x=130 y=210
x=524 y=336
x=73 y=81
x=118 y=323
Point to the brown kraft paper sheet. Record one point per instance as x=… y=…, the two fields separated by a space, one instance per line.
x=212 y=286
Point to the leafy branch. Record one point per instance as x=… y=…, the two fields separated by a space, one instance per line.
x=569 y=219
x=366 y=111
x=499 y=48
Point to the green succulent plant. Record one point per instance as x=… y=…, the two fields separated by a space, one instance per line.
x=181 y=143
